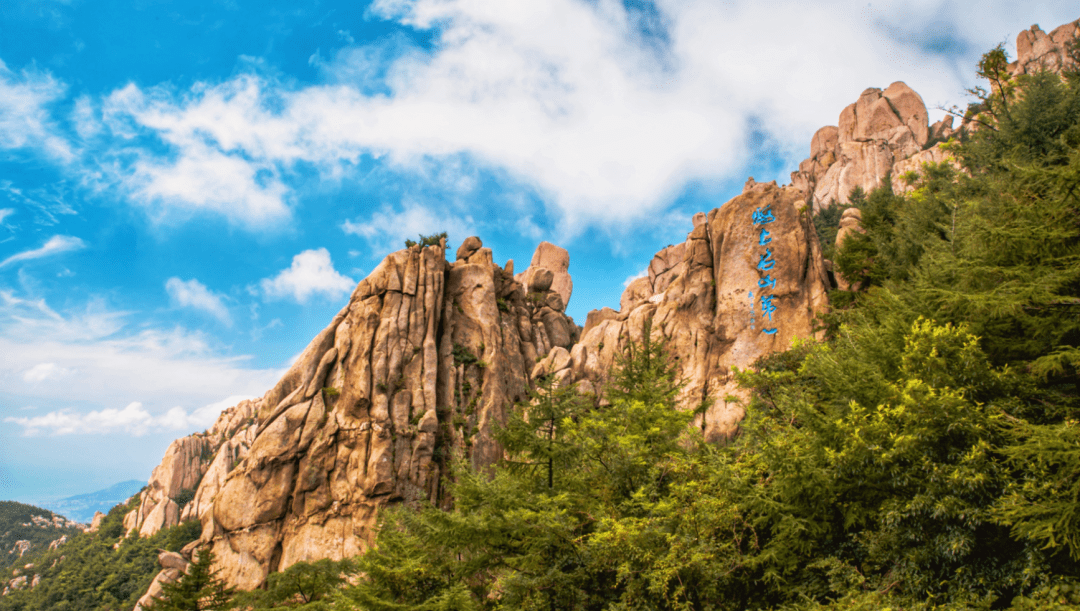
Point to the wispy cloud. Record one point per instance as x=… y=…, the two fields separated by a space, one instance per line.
x=311 y=273
x=47 y=204
x=103 y=364
x=25 y=121
x=42 y=372
x=604 y=111
x=54 y=246
x=132 y=419
x=4 y=213
x=194 y=294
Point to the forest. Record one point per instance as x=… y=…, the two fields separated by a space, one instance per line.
x=925 y=455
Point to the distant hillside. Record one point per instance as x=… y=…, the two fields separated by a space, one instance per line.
x=81 y=507
x=25 y=528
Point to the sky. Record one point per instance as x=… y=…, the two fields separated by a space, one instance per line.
x=190 y=189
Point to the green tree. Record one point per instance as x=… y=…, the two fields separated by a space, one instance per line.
x=529 y=534
x=304 y=586
x=429 y=240
x=534 y=437
x=199 y=589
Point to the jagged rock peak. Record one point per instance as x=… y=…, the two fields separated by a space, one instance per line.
x=555 y=260
x=1036 y=50
x=417 y=368
x=746 y=281
x=879 y=130
x=192 y=470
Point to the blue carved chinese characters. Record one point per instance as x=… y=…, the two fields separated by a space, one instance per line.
x=766 y=262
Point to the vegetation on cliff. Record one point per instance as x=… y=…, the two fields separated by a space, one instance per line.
x=926 y=455
x=96 y=571
x=25 y=529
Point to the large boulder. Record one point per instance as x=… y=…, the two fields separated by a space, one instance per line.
x=556 y=260
x=850 y=222
x=881 y=129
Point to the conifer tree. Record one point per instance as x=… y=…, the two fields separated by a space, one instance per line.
x=534 y=437
x=199 y=589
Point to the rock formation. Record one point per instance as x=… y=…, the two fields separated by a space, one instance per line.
x=1036 y=50
x=850 y=221
x=20 y=548
x=173 y=565
x=175 y=492
x=553 y=259
x=748 y=280
x=422 y=362
x=95 y=524
x=878 y=131
x=427 y=356
x=886 y=132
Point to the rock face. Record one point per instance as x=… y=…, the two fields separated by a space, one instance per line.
x=428 y=356
x=174 y=493
x=747 y=281
x=20 y=548
x=886 y=131
x=555 y=260
x=879 y=130
x=850 y=221
x=1036 y=50
x=173 y=565
x=418 y=367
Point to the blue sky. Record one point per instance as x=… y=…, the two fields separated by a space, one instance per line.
x=189 y=190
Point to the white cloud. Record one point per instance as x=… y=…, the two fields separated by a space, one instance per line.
x=55 y=245
x=24 y=119
x=103 y=364
x=602 y=120
x=605 y=113
x=133 y=419
x=194 y=294
x=4 y=213
x=41 y=372
x=312 y=272
x=202 y=179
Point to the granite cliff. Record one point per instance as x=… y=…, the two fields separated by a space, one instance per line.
x=428 y=355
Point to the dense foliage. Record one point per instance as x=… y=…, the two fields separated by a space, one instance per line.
x=16 y=524
x=98 y=571
x=927 y=455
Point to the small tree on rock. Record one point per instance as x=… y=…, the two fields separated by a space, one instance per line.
x=200 y=589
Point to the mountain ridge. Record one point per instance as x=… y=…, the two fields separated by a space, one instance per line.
x=428 y=355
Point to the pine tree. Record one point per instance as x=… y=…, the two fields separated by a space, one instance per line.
x=200 y=589
x=534 y=437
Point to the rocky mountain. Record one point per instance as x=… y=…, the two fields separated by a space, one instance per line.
x=25 y=528
x=429 y=355
x=82 y=507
